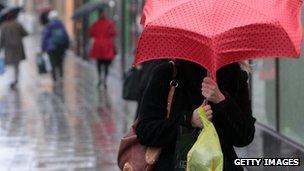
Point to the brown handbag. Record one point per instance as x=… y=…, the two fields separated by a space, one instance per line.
x=132 y=156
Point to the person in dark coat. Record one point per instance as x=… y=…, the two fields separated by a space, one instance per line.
x=229 y=109
x=146 y=71
x=103 y=32
x=55 y=42
x=12 y=34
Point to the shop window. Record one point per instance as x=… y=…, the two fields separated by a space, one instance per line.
x=291 y=102
x=264 y=92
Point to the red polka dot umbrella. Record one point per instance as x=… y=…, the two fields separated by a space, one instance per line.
x=214 y=33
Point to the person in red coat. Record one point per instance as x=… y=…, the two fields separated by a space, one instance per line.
x=103 y=32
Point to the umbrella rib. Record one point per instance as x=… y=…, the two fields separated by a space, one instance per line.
x=278 y=26
x=179 y=32
x=217 y=53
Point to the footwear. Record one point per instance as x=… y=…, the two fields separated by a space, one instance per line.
x=99 y=84
x=13 y=85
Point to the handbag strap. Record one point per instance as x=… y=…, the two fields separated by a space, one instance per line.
x=173 y=85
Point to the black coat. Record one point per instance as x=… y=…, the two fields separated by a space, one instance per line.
x=146 y=71
x=232 y=117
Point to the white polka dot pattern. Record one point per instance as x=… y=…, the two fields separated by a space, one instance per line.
x=214 y=33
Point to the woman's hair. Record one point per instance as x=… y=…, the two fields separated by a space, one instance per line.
x=245 y=66
x=44 y=18
x=101 y=12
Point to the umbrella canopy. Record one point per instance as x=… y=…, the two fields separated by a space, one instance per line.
x=87 y=8
x=214 y=33
x=9 y=11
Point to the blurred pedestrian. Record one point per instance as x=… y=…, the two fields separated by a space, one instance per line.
x=55 y=42
x=12 y=33
x=103 y=32
x=228 y=108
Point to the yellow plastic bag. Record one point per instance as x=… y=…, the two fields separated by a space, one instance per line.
x=206 y=154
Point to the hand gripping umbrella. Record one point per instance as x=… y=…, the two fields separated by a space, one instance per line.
x=215 y=33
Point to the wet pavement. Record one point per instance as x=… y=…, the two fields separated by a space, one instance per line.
x=76 y=127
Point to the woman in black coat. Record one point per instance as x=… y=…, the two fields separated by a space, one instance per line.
x=229 y=109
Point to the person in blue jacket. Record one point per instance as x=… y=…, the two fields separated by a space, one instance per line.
x=55 y=42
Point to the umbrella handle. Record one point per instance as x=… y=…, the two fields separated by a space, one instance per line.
x=213 y=76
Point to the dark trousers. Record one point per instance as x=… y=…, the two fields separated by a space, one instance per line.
x=103 y=70
x=56 y=60
x=16 y=71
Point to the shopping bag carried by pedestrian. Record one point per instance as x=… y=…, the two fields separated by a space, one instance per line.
x=206 y=154
x=2 y=65
x=132 y=156
x=131 y=84
x=47 y=61
x=43 y=63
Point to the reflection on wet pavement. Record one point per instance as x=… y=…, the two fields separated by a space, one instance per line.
x=76 y=127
